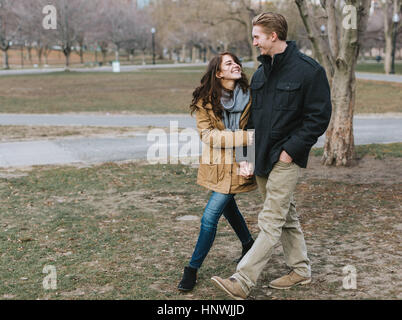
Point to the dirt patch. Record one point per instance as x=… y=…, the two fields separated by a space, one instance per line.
x=28 y=133
x=365 y=171
x=112 y=232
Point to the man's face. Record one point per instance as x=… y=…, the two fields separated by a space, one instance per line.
x=262 y=41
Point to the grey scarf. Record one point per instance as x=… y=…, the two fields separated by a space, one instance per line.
x=233 y=107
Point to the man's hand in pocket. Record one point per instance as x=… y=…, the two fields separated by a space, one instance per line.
x=285 y=157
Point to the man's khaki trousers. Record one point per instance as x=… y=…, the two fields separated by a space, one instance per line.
x=277 y=221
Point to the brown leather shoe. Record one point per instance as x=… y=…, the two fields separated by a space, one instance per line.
x=231 y=286
x=288 y=281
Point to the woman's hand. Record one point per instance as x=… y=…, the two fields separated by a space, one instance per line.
x=246 y=169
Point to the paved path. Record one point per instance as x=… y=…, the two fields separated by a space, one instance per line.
x=379 y=77
x=137 y=120
x=143 y=145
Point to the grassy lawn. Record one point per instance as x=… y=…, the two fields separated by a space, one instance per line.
x=377 y=67
x=379 y=151
x=111 y=231
x=151 y=91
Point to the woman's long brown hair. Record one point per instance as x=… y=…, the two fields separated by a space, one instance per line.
x=210 y=90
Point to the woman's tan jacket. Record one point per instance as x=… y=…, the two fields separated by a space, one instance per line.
x=218 y=170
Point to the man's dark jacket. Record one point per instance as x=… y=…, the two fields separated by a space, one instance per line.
x=291 y=107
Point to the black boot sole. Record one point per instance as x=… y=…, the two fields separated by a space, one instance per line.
x=185 y=289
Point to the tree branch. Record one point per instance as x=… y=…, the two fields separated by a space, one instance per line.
x=320 y=46
x=332 y=28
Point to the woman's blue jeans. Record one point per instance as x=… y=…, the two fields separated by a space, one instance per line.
x=218 y=203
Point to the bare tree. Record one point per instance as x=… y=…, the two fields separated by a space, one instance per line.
x=30 y=18
x=338 y=51
x=218 y=13
x=389 y=9
x=181 y=24
x=72 y=20
x=119 y=24
x=8 y=28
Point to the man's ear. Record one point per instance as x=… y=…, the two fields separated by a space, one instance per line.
x=274 y=36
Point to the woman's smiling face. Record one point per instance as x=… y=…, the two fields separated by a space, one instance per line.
x=229 y=69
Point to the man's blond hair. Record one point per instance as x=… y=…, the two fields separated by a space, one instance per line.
x=272 y=22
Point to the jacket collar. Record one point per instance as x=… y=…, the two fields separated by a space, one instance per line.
x=278 y=59
x=208 y=106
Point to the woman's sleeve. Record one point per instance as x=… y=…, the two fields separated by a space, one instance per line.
x=215 y=137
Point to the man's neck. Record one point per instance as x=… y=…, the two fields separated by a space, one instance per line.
x=281 y=47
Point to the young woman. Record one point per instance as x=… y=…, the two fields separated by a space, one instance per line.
x=222 y=107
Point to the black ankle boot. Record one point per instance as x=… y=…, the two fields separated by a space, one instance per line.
x=245 y=249
x=189 y=279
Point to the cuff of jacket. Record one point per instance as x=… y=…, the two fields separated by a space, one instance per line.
x=294 y=147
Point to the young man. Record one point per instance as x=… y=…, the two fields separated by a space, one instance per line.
x=291 y=108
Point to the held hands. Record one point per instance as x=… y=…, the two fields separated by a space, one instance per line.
x=285 y=157
x=246 y=169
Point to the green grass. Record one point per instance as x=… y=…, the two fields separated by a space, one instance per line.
x=378 y=97
x=376 y=67
x=147 y=91
x=153 y=91
x=379 y=151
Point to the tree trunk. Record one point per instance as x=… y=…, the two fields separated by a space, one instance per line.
x=5 y=58
x=96 y=55
x=116 y=52
x=29 y=50
x=339 y=142
x=81 y=55
x=338 y=56
x=46 y=55
x=387 y=36
x=39 y=52
x=388 y=53
x=104 y=56
x=193 y=54
x=67 y=52
x=22 y=57
x=183 y=53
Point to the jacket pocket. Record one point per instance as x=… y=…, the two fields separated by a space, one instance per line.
x=212 y=173
x=276 y=135
x=287 y=95
x=257 y=94
x=245 y=181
